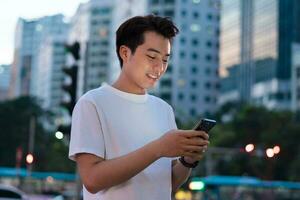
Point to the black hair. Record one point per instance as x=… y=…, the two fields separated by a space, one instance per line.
x=131 y=32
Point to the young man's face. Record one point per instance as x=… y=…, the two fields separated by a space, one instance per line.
x=148 y=63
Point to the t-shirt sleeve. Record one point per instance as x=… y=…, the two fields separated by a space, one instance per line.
x=86 y=131
x=171 y=116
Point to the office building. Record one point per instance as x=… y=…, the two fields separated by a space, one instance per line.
x=191 y=82
x=28 y=37
x=4 y=81
x=256 y=51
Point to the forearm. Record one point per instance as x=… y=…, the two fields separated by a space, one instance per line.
x=180 y=174
x=112 y=172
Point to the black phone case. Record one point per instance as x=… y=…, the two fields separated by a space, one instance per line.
x=205 y=125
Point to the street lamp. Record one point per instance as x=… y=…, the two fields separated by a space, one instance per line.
x=249 y=148
x=29 y=158
x=270 y=152
x=59 y=135
x=276 y=149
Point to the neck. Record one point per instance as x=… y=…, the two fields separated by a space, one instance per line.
x=125 y=84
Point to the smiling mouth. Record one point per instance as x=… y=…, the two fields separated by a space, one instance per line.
x=154 y=77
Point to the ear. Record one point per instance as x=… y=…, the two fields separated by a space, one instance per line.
x=125 y=53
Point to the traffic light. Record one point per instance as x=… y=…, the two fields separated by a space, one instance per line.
x=70 y=84
x=70 y=87
x=74 y=49
x=71 y=72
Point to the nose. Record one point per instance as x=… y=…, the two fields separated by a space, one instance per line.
x=159 y=66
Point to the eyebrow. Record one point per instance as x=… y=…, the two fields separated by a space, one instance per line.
x=155 y=50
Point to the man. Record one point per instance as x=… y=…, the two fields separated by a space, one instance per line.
x=124 y=139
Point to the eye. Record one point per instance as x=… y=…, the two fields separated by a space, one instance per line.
x=151 y=57
x=165 y=61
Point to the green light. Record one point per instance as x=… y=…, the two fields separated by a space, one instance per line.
x=196 y=185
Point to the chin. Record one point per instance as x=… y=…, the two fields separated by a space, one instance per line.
x=147 y=87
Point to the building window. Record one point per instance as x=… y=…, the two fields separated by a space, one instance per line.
x=104 y=53
x=217 y=32
x=182 y=40
x=194 y=69
x=209 y=17
x=104 y=43
x=208 y=44
x=180 y=96
x=106 y=22
x=166 y=82
x=154 y=2
x=195 y=15
x=169 y=13
x=194 y=84
x=193 y=112
x=170 y=68
x=182 y=54
x=183 y=13
x=207 y=85
x=94 y=22
x=193 y=97
x=279 y=96
x=194 y=56
x=195 y=42
x=103 y=64
x=208 y=57
x=169 y=1
x=207 y=99
x=98 y=11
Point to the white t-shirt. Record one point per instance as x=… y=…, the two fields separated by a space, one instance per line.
x=110 y=123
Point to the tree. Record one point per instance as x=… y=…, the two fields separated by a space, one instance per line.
x=15 y=118
x=265 y=129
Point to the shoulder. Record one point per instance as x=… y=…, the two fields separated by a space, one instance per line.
x=160 y=102
x=94 y=95
x=91 y=98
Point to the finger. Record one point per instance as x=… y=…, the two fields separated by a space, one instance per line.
x=197 y=141
x=191 y=133
x=196 y=149
x=204 y=135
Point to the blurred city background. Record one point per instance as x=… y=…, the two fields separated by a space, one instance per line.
x=236 y=61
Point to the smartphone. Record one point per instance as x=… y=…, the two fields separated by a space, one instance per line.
x=205 y=125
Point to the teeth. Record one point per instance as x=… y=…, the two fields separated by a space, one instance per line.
x=152 y=76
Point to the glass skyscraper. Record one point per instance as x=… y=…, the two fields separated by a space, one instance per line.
x=256 y=40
